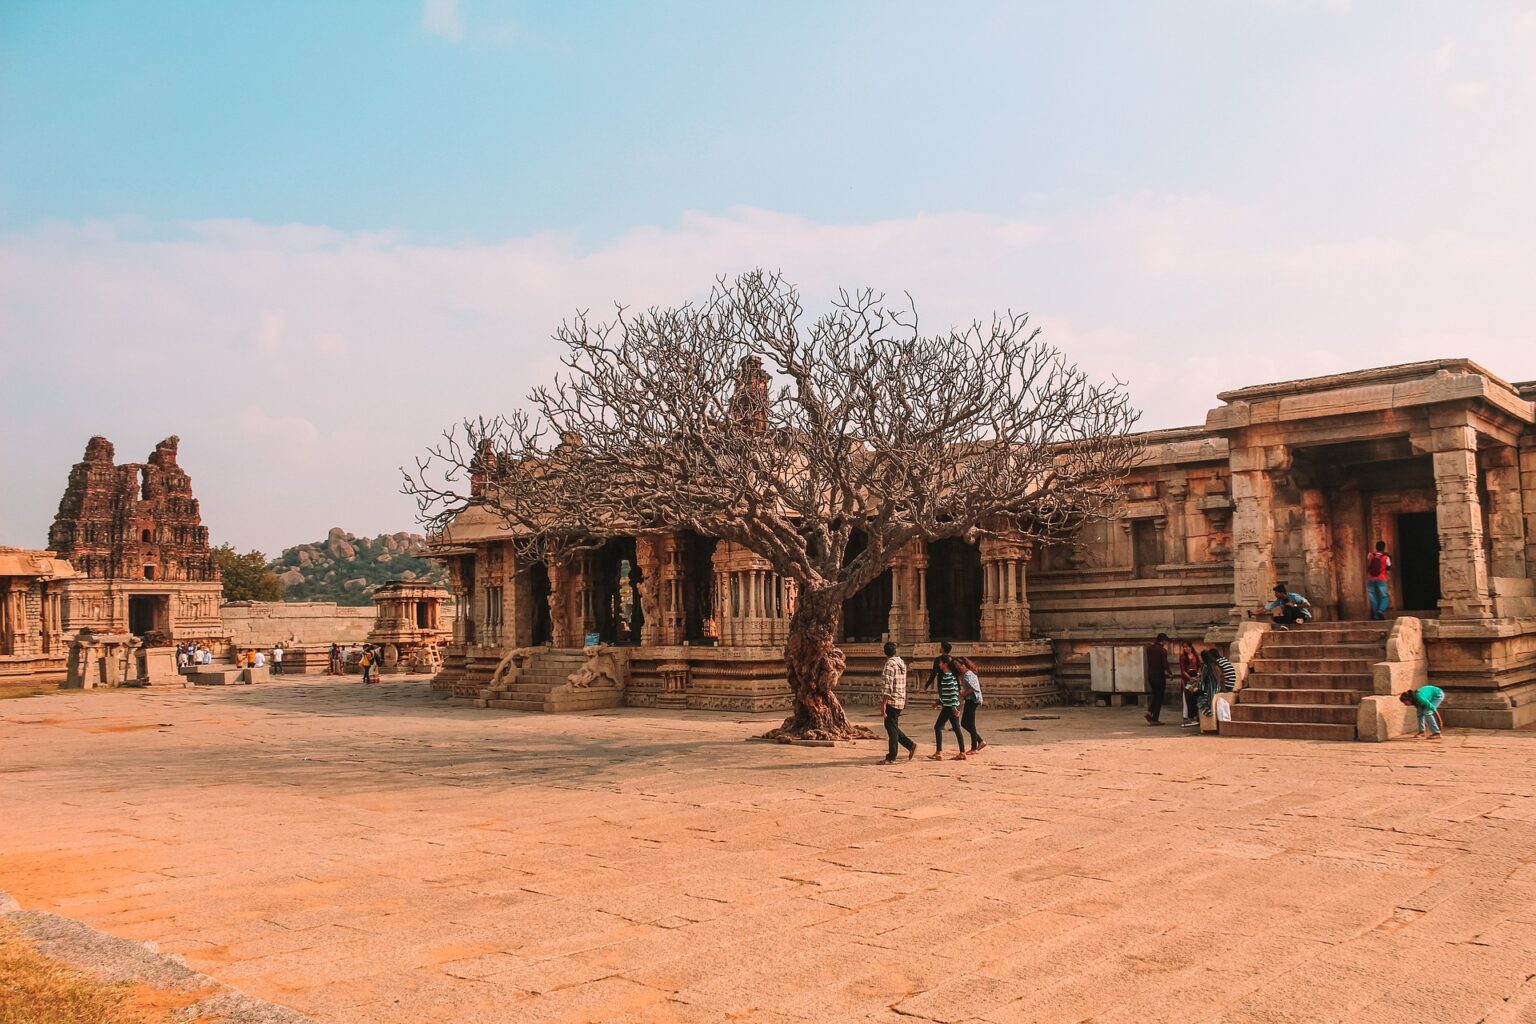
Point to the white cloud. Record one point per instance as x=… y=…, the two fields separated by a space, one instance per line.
x=441 y=18
x=302 y=365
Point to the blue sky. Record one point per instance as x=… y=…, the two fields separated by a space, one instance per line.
x=306 y=236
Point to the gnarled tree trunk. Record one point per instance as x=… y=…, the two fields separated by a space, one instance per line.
x=815 y=664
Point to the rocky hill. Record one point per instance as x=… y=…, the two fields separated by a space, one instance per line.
x=347 y=569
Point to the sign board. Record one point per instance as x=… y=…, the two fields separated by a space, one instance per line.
x=593 y=639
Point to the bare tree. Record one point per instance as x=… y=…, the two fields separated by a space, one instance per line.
x=736 y=418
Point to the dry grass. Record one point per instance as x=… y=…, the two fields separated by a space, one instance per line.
x=8 y=690
x=36 y=990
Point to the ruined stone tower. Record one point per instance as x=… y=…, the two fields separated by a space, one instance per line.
x=135 y=535
x=134 y=521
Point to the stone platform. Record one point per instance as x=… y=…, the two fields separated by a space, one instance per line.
x=384 y=854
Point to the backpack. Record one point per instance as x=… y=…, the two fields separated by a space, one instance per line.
x=1376 y=563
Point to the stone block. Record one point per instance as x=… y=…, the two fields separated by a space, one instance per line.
x=207 y=676
x=157 y=666
x=255 y=675
x=1384 y=718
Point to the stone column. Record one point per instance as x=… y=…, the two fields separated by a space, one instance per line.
x=1253 y=525
x=565 y=602
x=673 y=623
x=1004 y=605
x=908 y=620
x=1176 y=538
x=1317 y=550
x=1506 y=512
x=755 y=617
x=1463 y=564
x=651 y=590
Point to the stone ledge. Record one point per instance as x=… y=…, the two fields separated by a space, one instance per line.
x=112 y=959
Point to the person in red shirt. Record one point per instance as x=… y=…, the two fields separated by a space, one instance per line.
x=1378 y=573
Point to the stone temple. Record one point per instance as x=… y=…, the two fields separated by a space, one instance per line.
x=134 y=536
x=1290 y=482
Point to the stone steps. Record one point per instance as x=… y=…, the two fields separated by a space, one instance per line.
x=1284 y=650
x=1314 y=714
x=1265 y=665
x=555 y=703
x=1306 y=682
x=1311 y=681
x=1350 y=698
x=1288 y=730
x=539 y=687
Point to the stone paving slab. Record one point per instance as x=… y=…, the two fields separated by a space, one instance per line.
x=382 y=855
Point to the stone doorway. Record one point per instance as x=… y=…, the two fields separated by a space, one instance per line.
x=148 y=613
x=1416 y=562
x=867 y=614
x=616 y=603
x=954 y=590
x=698 y=568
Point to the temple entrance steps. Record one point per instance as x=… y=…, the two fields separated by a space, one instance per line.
x=542 y=685
x=1306 y=682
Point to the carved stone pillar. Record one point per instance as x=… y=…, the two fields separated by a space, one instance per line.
x=908 y=620
x=1004 y=603
x=674 y=685
x=669 y=595
x=1506 y=512
x=1463 y=564
x=1253 y=525
x=650 y=591
x=752 y=607
x=565 y=603
x=13 y=618
x=1176 y=542
x=1317 y=550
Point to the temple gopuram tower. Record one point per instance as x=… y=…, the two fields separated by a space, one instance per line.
x=134 y=534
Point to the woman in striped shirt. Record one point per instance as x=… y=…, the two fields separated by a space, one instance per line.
x=949 y=710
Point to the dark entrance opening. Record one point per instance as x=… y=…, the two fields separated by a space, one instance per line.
x=1416 y=562
x=698 y=558
x=543 y=627
x=954 y=590
x=423 y=615
x=146 y=613
x=616 y=604
x=1145 y=548
x=867 y=614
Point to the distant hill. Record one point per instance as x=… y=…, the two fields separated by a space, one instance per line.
x=347 y=569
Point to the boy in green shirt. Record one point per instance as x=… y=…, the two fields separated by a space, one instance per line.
x=1426 y=701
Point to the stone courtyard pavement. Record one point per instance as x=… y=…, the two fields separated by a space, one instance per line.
x=382 y=856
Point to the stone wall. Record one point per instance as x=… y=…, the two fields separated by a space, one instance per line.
x=264 y=623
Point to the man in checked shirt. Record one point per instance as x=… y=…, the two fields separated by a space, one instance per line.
x=893 y=697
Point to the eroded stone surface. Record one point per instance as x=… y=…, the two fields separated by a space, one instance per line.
x=380 y=854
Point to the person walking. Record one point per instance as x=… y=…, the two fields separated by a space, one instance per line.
x=945 y=650
x=970 y=693
x=1378 y=575
x=366 y=661
x=1190 y=667
x=949 y=708
x=1426 y=702
x=893 y=698
x=1157 y=678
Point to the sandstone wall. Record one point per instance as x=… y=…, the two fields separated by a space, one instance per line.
x=264 y=623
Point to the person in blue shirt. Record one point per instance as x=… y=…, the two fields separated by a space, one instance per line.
x=1426 y=701
x=1287 y=608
